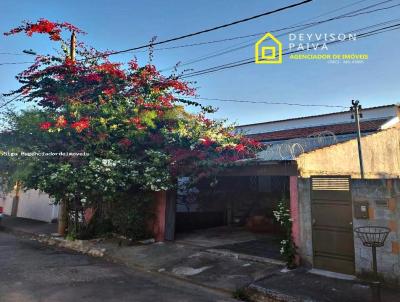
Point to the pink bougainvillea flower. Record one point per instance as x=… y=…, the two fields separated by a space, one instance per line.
x=44 y=26
x=207 y=142
x=81 y=125
x=109 y=91
x=93 y=77
x=112 y=69
x=165 y=100
x=133 y=64
x=240 y=148
x=125 y=142
x=137 y=122
x=26 y=91
x=250 y=142
x=148 y=72
x=45 y=125
x=70 y=27
x=70 y=66
x=61 y=122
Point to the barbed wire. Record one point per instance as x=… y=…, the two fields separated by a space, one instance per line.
x=291 y=149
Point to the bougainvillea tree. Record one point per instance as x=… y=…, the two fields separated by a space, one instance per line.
x=129 y=121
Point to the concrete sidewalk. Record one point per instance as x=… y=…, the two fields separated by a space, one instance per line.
x=192 y=263
x=28 y=226
x=301 y=285
x=197 y=264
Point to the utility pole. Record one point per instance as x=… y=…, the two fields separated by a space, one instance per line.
x=62 y=212
x=72 y=47
x=356 y=115
x=15 y=201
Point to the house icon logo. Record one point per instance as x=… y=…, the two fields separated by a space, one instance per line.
x=268 y=50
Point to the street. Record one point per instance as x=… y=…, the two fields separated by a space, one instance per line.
x=200 y=151
x=31 y=272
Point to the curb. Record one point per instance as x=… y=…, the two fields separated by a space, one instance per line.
x=245 y=257
x=81 y=246
x=261 y=294
x=19 y=233
x=78 y=246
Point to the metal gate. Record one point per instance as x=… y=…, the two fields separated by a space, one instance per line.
x=332 y=224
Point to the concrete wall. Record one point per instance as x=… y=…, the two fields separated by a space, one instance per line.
x=305 y=248
x=383 y=197
x=33 y=205
x=381 y=154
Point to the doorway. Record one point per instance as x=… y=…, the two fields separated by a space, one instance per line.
x=332 y=224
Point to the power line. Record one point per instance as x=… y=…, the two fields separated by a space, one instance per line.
x=248 y=35
x=244 y=36
x=204 y=30
x=15 y=63
x=248 y=61
x=268 y=102
x=251 y=60
x=184 y=36
x=218 y=40
x=10 y=101
x=25 y=52
x=12 y=54
x=180 y=37
x=350 y=14
x=215 y=54
x=284 y=28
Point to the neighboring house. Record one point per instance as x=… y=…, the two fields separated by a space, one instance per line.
x=32 y=204
x=313 y=162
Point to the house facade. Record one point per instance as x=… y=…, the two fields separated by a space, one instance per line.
x=313 y=162
x=328 y=198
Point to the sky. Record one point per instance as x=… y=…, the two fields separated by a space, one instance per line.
x=121 y=24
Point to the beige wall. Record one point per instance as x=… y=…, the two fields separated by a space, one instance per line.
x=33 y=204
x=381 y=154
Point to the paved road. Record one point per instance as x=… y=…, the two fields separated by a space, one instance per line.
x=31 y=272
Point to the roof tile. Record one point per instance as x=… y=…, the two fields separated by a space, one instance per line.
x=365 y=126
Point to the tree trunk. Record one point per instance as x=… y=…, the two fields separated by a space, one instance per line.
x=62 y=218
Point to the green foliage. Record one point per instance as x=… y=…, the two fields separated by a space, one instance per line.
x=127 y=121
x=71 y=236
x=242 y=295
x=130 y=216
x=288 y=248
